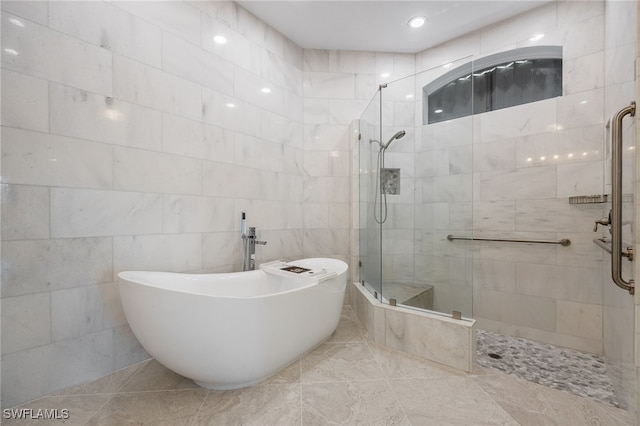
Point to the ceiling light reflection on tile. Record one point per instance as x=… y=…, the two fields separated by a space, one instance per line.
x=11 y=51
x=16 y=22
x=536 y=37
x=265 y=90
x=113 y=114
x=417 y=21
x=220 y=39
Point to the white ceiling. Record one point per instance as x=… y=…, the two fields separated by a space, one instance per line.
x=381 y=25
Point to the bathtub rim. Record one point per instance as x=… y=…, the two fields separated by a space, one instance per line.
x=123 y=276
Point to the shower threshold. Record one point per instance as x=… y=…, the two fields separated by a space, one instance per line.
x=580 y=373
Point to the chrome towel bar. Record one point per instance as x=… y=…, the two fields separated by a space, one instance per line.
x=563 y=242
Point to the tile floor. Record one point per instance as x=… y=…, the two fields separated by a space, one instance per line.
x=577 y=372
x=348 y=380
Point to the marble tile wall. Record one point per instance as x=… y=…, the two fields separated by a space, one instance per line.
x=527 y=161
x=338 y=88
x=131 y=140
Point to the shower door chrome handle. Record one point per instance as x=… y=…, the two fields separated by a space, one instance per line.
x=616 y=199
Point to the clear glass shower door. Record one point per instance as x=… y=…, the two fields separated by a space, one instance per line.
x=370 y=248
x=415 y=190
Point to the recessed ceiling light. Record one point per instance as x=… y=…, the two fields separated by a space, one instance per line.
x=417 y=21
x=265 y=90
x=230 y=105
x=220 y=39
x=385 y=75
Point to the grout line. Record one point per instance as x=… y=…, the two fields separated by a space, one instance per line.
x=397 y=400
x=300 y=387
x=195 y=417
x=117 y=391
x=101 y=408
x=143 y=364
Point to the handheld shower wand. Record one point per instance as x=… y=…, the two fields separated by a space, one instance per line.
x=380 y=167
x=398 y=135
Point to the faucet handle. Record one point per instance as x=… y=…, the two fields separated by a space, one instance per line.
x=602 y=221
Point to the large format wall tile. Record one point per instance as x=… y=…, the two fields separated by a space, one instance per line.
x=85 y=115
x=37 y=53
x=137 y=83
x=104 y=25
x=134 y=141
x=41 y=265
x=25 y=212
x=199 y=66
x=25 y=101
x=26 y=322
x=35 y=158
x=91 y=213
x=151 y=172
x=168 y=252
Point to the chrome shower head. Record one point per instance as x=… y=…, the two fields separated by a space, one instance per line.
x=398 y=135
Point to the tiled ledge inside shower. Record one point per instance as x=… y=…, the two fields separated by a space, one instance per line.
x=431 y=336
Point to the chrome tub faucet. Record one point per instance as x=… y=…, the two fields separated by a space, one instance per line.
x=249 y=242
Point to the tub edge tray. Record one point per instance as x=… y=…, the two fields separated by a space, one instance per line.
x=284 y=269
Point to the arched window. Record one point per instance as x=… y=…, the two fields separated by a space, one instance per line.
x=494 y=82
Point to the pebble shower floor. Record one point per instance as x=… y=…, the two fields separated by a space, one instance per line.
x=581 y=373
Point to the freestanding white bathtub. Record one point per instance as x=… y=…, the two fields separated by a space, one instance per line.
x=231 y=330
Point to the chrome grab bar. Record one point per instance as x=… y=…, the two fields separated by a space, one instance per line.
x=563 y=242
x=616 y=199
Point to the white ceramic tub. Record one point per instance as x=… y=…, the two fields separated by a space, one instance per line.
x=231 y=330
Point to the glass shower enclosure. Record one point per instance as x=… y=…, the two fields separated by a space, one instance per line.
x=416 y=190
